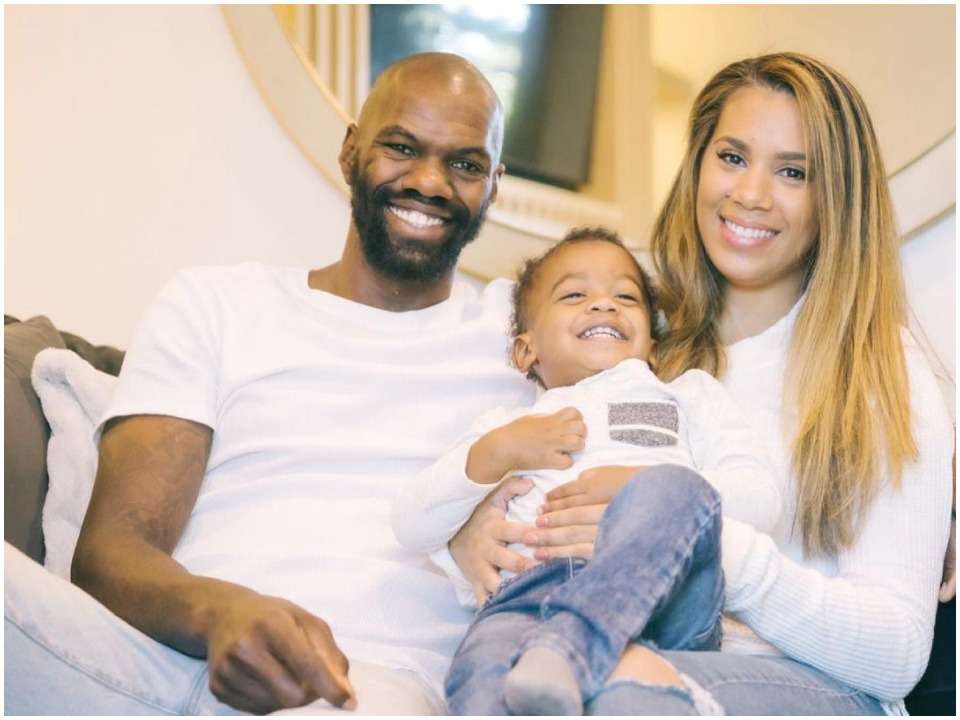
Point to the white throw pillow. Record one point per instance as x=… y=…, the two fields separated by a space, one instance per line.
x=73 y=395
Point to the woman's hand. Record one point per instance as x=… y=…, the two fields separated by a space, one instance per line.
x=568 y=520
x=479 y=548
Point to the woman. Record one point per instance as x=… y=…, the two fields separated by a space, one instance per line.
x=780 y=274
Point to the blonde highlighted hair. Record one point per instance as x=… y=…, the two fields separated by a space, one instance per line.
x=846 y=373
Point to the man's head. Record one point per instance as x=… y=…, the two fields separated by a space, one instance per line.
x=423 y=163
x=581 y=308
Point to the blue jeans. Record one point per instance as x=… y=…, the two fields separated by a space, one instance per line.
x=726 y=683
x=66 y=654
x=655 y=575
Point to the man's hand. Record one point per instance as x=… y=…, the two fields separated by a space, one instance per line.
x=567 y=524
x=265 y=653
x=531 y=442
x=479 y=548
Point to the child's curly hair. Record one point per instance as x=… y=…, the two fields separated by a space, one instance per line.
x=528 y=275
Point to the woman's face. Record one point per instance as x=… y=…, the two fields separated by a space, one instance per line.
x=754 y=205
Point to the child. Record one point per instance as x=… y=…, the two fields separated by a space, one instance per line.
x=548 y=639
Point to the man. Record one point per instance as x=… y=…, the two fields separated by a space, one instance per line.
x=263 y=419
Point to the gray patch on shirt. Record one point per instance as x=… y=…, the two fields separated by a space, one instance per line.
x=645 y=438
x=659 y=414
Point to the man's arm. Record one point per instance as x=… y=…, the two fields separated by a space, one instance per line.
x=264 y=653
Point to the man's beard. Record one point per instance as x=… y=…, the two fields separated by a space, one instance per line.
x=405 y=258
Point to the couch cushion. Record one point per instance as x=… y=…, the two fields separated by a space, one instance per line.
x=25 y=434
x=104 y=358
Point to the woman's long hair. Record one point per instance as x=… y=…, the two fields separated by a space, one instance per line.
x=846 y=371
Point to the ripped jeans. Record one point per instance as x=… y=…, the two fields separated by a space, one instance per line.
x=655 y=575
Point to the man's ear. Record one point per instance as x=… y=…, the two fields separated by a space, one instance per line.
x=497 y=174
x=523 y=354
x=348 y=153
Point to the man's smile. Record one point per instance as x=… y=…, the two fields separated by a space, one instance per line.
x=416 y=218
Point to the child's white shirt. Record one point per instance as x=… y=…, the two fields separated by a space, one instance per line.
x=633 y=418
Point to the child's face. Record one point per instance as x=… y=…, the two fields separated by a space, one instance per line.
x=585 y=314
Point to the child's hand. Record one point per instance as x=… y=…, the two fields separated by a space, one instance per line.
x=528 y=443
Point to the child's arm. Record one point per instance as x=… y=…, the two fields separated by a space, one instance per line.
x=430 y=509
x=730 y=454
x=531 y=442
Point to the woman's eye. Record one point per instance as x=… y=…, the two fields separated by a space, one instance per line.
x=794 y=173
x=731 y=158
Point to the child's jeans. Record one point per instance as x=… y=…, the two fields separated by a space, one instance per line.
x=655 y=575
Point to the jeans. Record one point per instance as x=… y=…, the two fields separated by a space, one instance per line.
x=66 y=654
x=719 y=683
x=655 y=575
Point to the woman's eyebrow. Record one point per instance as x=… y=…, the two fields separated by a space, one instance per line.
x=792 y=156
x=742 y=147
x=738 y=144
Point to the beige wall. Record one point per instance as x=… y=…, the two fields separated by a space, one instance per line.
x=137 y=144
x=900 y=57
x=621 y=171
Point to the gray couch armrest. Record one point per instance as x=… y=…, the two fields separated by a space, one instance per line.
x=25 y=435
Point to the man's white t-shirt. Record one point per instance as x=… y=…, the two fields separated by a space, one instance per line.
x=321 y=409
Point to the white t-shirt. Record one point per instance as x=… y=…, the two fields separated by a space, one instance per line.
x=632 y=418
x=321 y=408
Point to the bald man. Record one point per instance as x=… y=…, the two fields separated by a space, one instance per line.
x=237 y=552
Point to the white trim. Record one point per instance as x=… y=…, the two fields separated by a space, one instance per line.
x=926 y=187
x=343 y=63
x=322 y=57
x=361 y=43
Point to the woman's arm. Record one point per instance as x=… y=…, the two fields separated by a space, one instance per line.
x=948 y=588
x=729 y=452
x=871 y=626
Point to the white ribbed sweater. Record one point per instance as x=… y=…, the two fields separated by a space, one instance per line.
x=865 y=616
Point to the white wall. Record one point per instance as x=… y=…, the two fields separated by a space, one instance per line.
x=901 y=58
x=136 y=144
x=929 y=267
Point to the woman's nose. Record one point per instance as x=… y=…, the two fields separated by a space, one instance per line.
x=753 y=189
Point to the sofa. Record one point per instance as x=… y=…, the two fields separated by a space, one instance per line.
x=27 y=434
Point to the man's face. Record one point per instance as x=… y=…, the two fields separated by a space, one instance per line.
x=422 y=176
